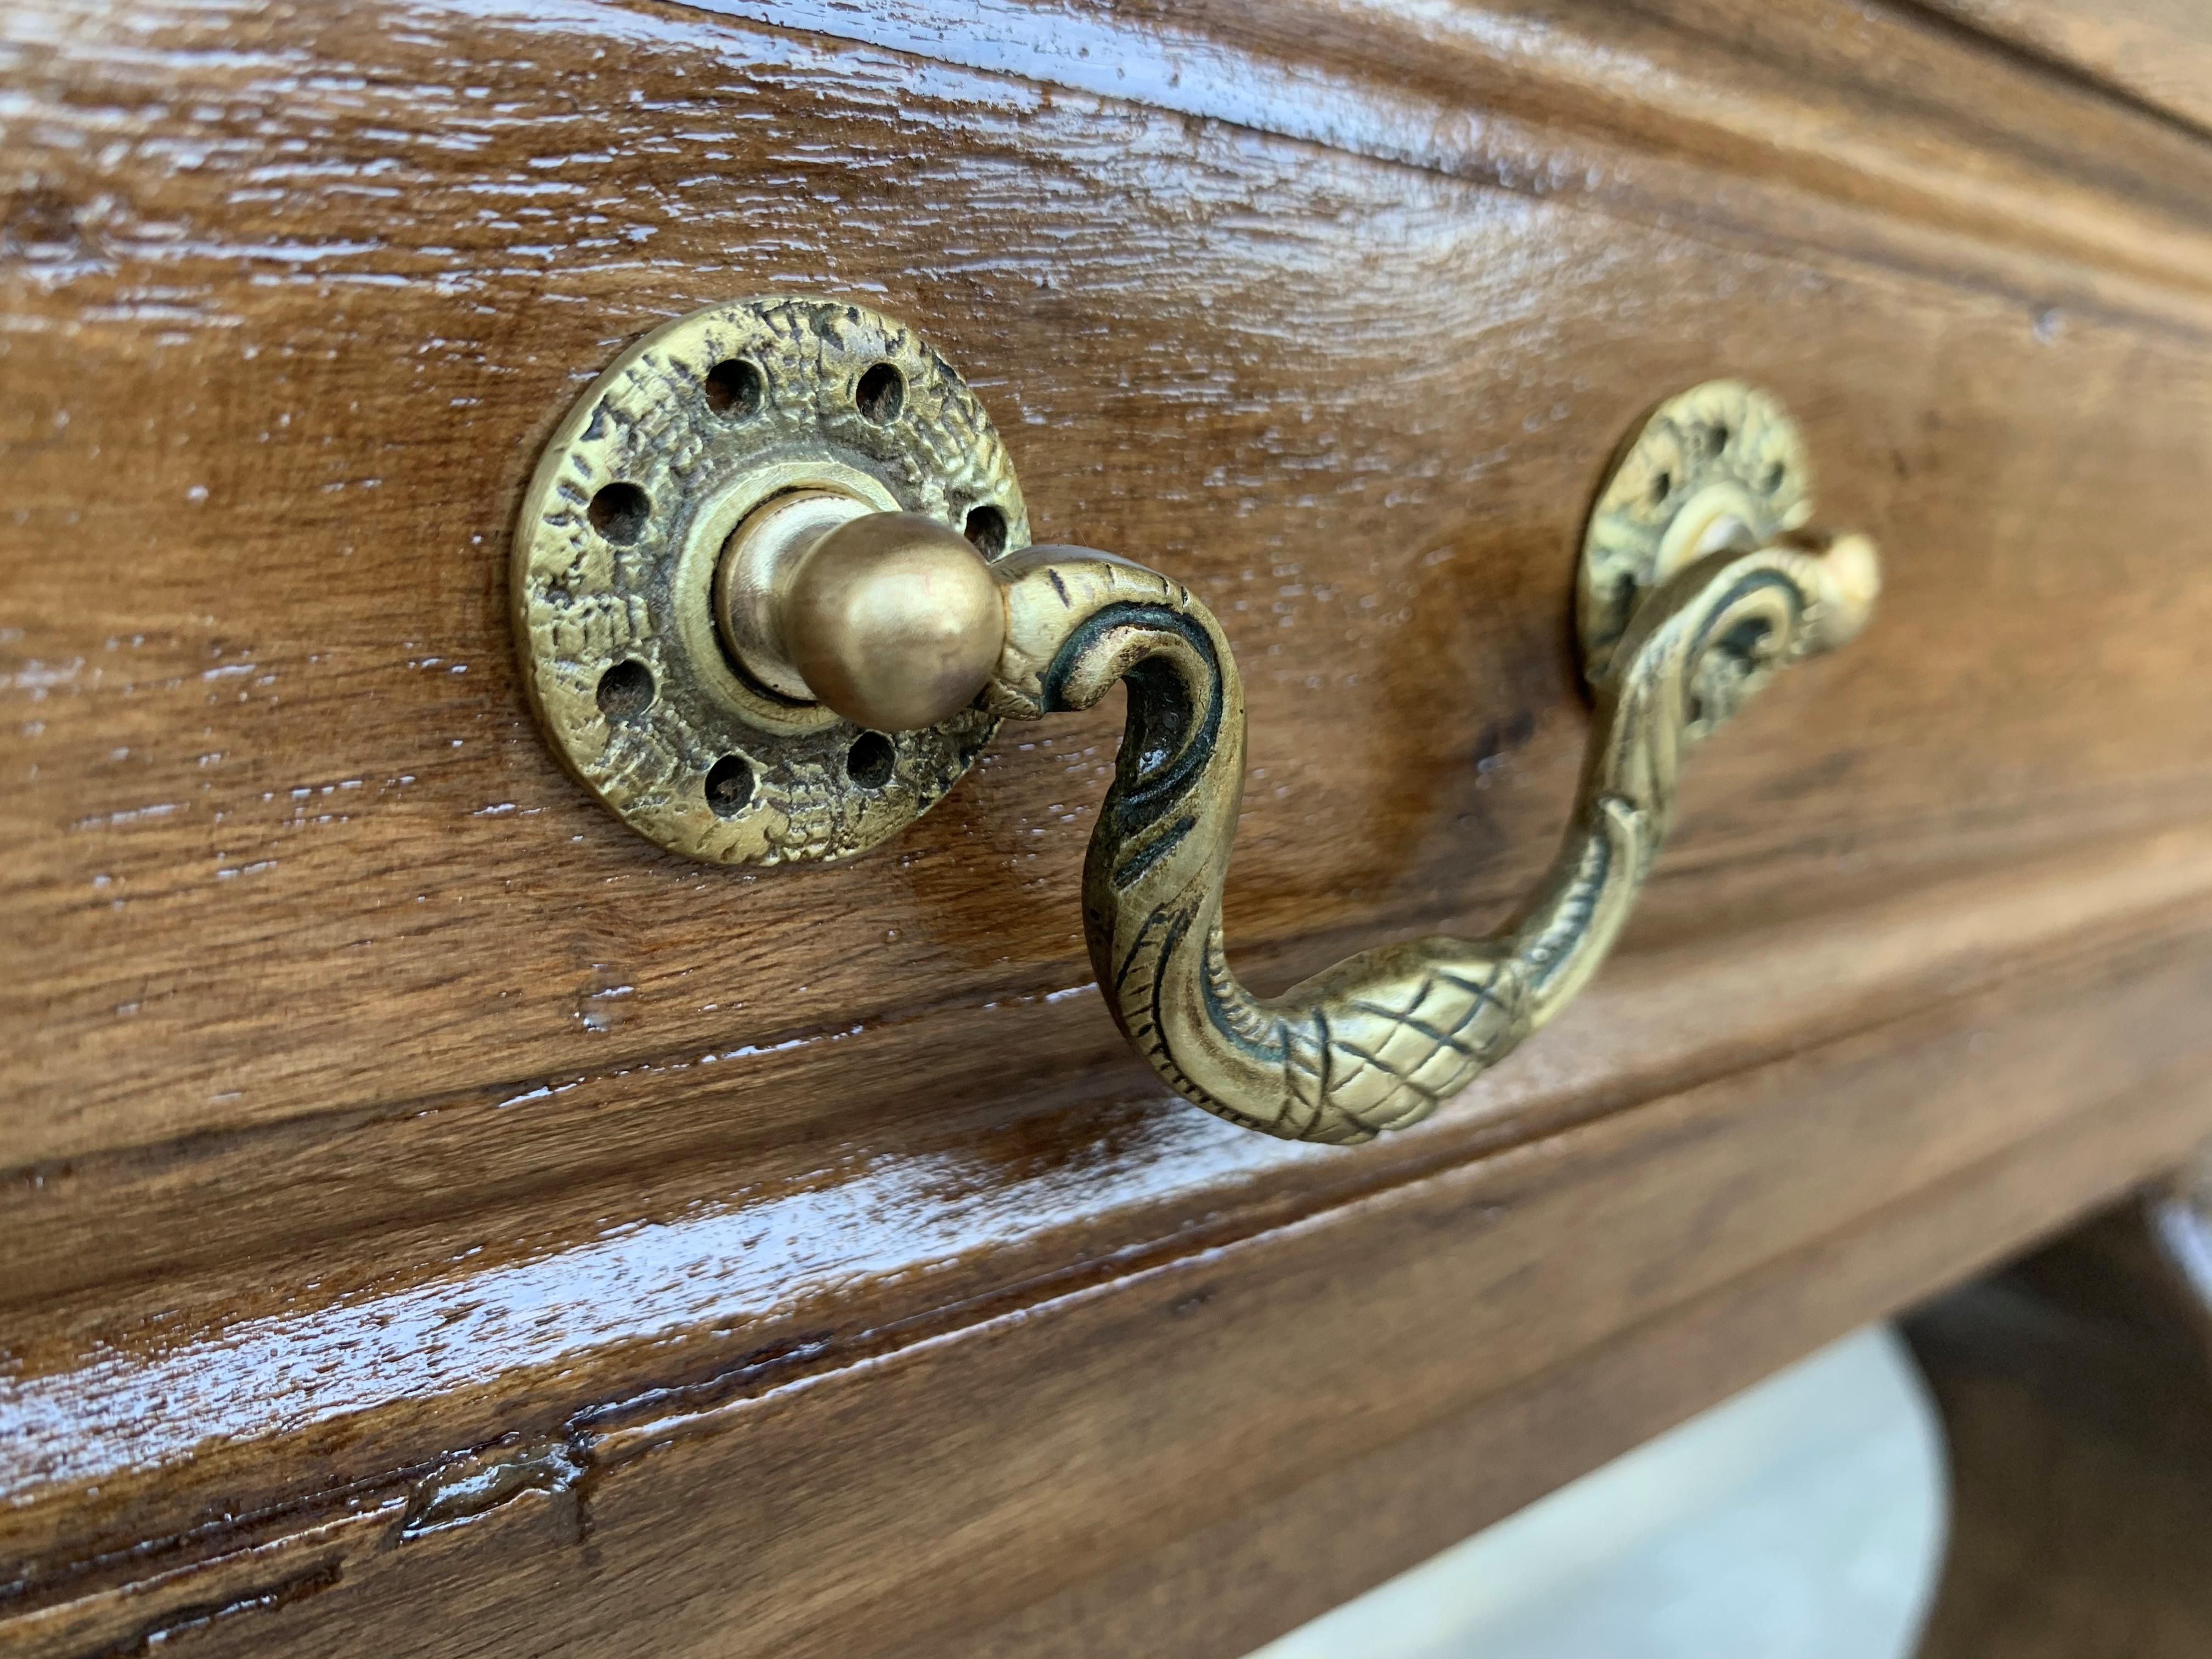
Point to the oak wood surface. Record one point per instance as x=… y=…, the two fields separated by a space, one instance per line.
x=1117 y=1451
x=2157 y=52
x=374 y=1096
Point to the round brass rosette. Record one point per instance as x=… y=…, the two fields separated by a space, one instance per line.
x=694 y=427
x=1720 y=466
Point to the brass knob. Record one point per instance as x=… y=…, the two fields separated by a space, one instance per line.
x=891 y=619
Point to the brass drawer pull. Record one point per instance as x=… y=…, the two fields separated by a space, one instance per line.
x=841 y=603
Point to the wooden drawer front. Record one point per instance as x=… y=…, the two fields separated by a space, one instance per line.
x=817 y=1267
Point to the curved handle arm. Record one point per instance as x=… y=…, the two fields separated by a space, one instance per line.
x=1378 y=1041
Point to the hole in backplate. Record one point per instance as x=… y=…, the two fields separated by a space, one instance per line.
x=871 y=760
x=729 y=785
x=626 y=690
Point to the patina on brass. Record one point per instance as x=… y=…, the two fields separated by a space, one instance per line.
x=699 y=425
x=833 y=602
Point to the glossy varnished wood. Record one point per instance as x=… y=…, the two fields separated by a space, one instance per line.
x=363 y=840
x=1099 y=1471
x=375 y=1097
x=2156 y=51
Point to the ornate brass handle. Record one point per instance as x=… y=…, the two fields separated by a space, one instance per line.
x=1694 y=593
x=1378 y=1041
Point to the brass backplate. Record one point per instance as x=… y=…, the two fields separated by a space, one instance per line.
x=1721 y=465
x=693 y=427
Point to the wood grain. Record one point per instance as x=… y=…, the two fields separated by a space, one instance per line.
x=375 y=1099
x=906 y=1502
x=297 y=863
x=2158 y=51
x=1878 y=129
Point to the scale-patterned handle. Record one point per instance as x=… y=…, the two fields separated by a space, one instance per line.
x=1378 y=1041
